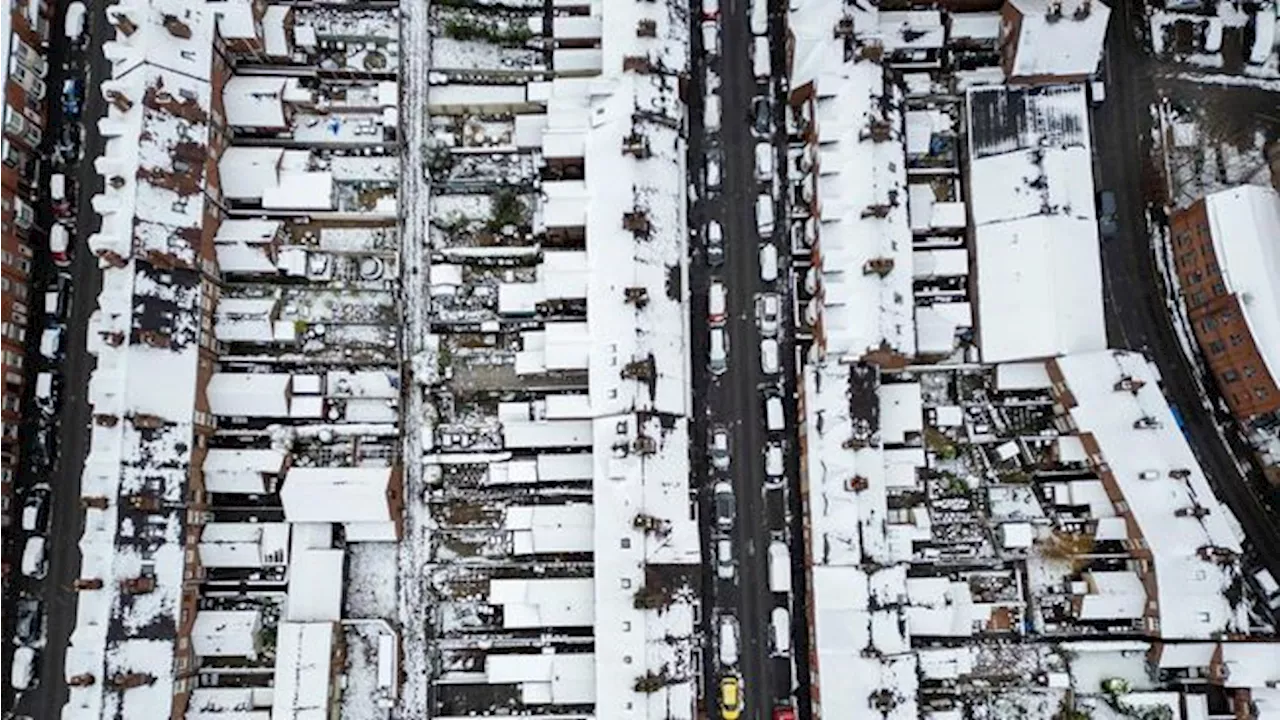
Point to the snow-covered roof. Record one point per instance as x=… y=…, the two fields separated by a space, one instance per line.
x=338 y=494
x=247 y=171
x=849 y=414
x=544 y=602
x=234 y=230
x=226 y=633
x=240 y=470
x=545 y=678
x=545 y=529
x=1113 y=595
x=255 y=101
x=1057 y=38
x=243 y=544
x=304 y=658
x=1039 y=273
x=1245 y=224
x=275 y=37
x=857 y=311
x=152 y=207
x=974 y=26
x=315 y=585
x=1154 y=469
x=262 y=395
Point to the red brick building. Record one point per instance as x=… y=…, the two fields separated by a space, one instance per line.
x=1226 y=250
x=25 y=30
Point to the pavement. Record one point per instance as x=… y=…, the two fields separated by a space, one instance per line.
x=736 y=398
x=1138 y=316
x=65 y=517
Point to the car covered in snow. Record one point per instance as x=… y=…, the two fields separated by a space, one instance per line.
x=71 y=95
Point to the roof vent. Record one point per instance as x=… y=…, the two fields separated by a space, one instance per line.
x=176 y=27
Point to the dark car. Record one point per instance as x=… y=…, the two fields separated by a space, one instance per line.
x=726 y=507
x=30 y=624
x=1107 y=223
x=762 y=117
x=71 y=97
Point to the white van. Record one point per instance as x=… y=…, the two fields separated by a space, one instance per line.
x=728 y=640
x=716 y=303
x=73 y=26
x=769 y=356
x=44 y=387
x=773 y=413
x=764 y=214
x=51 y=342
x=773 y=460
x=57 y=187
x=759 y=17
x=33 y=559
x=760 y=59
x=22 y=676
x=718 y=358
x=768 y=262
x=781 y=624
x=779 y=567
x=711 y=113
x=710 y=37
x=764 y=162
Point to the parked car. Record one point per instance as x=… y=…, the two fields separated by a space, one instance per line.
x=22 y=674
x=51 y=342
x=730 y=699
x=725 y=569
x=68 y=145
x=718 y=357
x=769 y=360
x=728 y=640
x=73 y=25
x=710 y=37
x=47 y=392
x=762 y=117
x=30 y=621
x=726 y=507
x=71 y=97
x=718 y=447
x=713 y=169
x=710 y=8
x=60 y=245
x=1108 y=225
x=34 y=563
x=715 y=244
x=56 y=296
x=35 y=511
x=768 y=262
x=768 y=305
x=773 y=467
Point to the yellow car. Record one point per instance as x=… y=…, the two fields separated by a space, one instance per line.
x=730 y=699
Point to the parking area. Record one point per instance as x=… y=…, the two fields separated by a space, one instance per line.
x=42 y=549
x=744 y=359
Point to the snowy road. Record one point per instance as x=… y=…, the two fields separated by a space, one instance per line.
x=414 y=201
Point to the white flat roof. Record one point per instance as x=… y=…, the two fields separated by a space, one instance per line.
x=1245 y=224
x=539 y=529
x=337 y=494
x=302 y=674
x=315 y=585
x=544 y=602
x=226 y=633
x=249 y=394
x=545 y=678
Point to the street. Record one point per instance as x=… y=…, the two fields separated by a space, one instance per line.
x=66 y=517
x=735 y=400
x=1138 y=316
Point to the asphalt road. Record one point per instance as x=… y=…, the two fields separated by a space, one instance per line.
x=66 y=518
x=1137 y=314
x=736 y=398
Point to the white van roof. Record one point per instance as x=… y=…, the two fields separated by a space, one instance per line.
x=59 y=238
x=44 y=385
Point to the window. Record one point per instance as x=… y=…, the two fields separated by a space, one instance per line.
x=1219 y=288
x=1261 y=392
x=1209 y=323
x=1216 y=347
x=1230 y=376
x=24 y=215
x=1226 y=316
x=13 y=121
x=1249 y=371
x=1183 y=238
x=1197 y=298
x=1236 y=339
x=1194 y=278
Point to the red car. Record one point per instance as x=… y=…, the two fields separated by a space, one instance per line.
x=60 y=245
x=784 y=712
